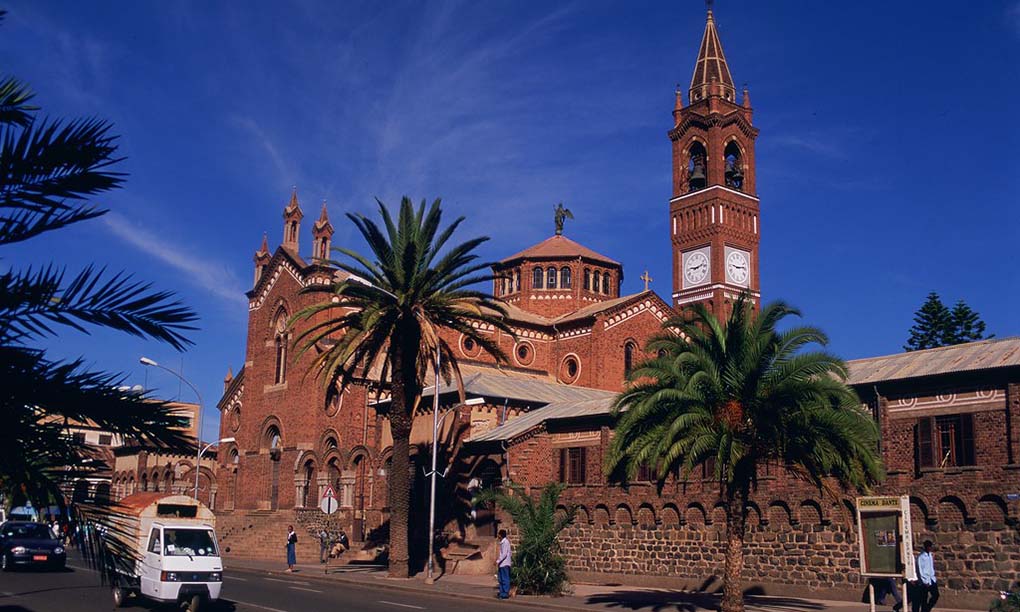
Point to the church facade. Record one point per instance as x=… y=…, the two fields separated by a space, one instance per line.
x=950 y=418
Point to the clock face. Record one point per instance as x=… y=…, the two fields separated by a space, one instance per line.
x=737 y=268
x=696 y=268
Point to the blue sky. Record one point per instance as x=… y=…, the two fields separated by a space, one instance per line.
x=887 y=160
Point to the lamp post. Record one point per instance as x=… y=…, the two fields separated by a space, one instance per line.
x=198 y=433
x=435 y=434
x=199 y=464
x=436 y=422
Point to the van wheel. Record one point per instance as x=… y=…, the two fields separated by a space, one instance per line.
x=119 y=597
x=195 y=604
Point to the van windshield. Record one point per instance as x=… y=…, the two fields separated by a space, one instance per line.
x=189 y=543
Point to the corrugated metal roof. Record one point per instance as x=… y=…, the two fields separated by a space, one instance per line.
x=983 y=355
x=498 y=384
x=556 y=410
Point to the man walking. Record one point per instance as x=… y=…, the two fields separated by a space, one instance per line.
x=503 y=565
x=927 y=587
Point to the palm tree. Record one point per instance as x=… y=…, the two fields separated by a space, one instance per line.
x=385 y=317
x=48 y=171
x=745 y=395
x=538 y=566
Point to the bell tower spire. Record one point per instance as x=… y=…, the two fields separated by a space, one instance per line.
x=714 y=211
x=322 y=235
x=711 y=70
x=292 y=216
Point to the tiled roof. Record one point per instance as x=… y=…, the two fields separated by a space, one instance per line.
x=983 y=355
x=559 y=247
x=515 y=313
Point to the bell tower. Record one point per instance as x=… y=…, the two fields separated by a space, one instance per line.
x=714 y=211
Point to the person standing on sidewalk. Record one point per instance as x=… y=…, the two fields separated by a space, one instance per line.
x=323 y=545
x=291 y=548
x=927 y=587
x=503 y=565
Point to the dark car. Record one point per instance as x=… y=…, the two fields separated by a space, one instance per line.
x=29 y=544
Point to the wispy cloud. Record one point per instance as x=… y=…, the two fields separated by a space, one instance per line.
x=285 y=170
x=205 y=272
x=813 y=144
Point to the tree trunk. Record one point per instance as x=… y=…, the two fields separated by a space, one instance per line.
x=404 y=392
x=736 y=523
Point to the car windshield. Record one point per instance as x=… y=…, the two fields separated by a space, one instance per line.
x=189 y=543
x=30 y=531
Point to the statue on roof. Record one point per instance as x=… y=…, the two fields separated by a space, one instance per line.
x=560 y=213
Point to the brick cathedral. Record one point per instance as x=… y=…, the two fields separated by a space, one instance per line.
x=949 y=417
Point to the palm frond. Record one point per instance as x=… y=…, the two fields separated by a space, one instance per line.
x=32 y=301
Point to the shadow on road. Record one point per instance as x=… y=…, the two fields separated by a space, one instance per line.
x=657 y=600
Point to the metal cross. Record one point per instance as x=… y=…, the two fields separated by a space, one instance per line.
x=646 y=278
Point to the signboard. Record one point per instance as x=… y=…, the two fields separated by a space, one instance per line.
x=328 y=504
x=884 y=537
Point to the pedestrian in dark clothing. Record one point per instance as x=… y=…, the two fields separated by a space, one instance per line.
x=291 y=548
x=503 y=565
x=927 y=590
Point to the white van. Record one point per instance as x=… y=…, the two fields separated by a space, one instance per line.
x=173 y=553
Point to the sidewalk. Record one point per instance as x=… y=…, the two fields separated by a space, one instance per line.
x=608 y=598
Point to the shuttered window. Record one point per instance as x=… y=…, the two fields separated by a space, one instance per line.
x=572 y=465
x=945 y=441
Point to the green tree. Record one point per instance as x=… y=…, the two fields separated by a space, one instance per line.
x=936 y=325
x=932 y=325
x=965 y=325
x=538 y=567
x=387 y=320
x=48 y=171
x=745 y=395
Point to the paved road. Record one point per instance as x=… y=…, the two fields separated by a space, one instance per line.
x=78 y=590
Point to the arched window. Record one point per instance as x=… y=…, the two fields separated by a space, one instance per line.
x=235 y=457
x=273 y=439
x=628 y=357
x=697 y=169
x=537 y=278
x=307 y=495
x=596 y=281
x=587 y=279
x=564 y=277
x=550 y=278
x=281 y=348
x=606 y=284
x=517 y=281
x=734 y=166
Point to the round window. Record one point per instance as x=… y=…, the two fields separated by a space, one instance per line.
x=469 y=345
x=524 y=352
x=571 y=368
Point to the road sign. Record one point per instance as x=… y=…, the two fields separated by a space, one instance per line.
x=328 y=504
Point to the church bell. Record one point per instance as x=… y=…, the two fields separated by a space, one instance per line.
x=698 y=180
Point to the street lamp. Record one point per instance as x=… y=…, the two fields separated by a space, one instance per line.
x=435 y=453
x=145 y=361
x=435 y=432
x=199 y=464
